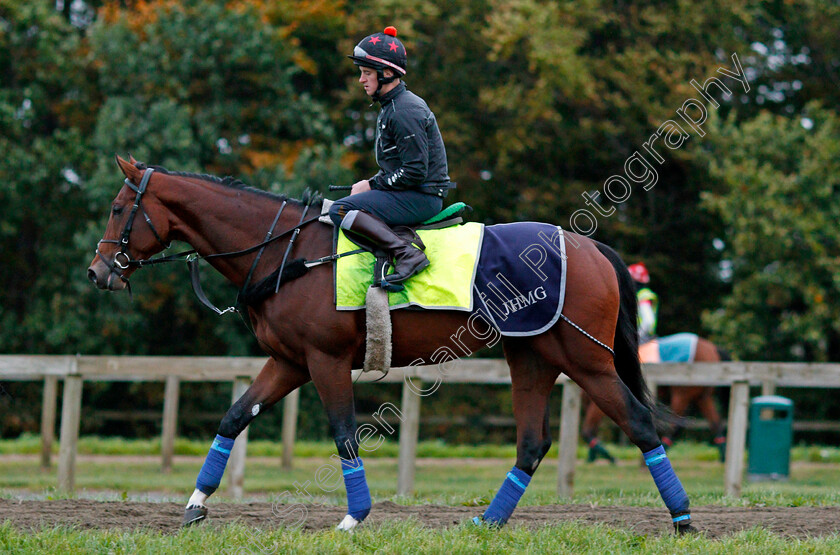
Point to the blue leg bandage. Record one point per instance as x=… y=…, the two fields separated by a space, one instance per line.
x=507 y=497
x=214 y=465
x=670 y=488
x=358 y=494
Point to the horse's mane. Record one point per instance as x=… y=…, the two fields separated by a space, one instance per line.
x=308 y=197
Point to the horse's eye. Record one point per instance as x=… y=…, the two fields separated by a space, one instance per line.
x=117 y=210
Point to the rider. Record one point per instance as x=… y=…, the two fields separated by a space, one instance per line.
x=413 y=176
x=648 y=302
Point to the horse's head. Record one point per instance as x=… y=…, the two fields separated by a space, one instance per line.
x=129 y=238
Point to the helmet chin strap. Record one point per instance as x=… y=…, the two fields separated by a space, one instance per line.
x=382 y=80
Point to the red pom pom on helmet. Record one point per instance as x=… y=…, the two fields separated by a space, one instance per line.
x=390 y=31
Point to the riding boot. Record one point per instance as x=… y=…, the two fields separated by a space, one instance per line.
x=408 y=259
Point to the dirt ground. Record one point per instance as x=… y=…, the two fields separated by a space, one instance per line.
x=799 y=522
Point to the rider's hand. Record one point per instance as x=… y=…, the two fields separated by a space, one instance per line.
x=360 y=187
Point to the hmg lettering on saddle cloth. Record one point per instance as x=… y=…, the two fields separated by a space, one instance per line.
x=521 y=277
x=513 y=273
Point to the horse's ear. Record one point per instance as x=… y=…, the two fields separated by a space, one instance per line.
x=129 y=169
x=131 y=159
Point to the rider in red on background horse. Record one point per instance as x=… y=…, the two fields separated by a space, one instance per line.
x=647 y=300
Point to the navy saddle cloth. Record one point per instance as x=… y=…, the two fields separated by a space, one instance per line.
x=520 y=282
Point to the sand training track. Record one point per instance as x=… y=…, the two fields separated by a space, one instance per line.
x=799 y=522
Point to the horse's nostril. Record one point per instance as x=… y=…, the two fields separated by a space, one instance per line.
x=92 y=276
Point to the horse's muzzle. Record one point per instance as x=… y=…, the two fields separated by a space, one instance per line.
x=104 y=278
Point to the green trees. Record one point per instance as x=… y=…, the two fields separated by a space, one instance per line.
x=44 y=103
x=773 y=186
x=202 y=86
x=780 y=207
x=193 y=86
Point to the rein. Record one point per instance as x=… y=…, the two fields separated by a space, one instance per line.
x=189 y=254
x=117 y=266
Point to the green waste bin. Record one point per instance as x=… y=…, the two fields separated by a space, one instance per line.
x=771 y=436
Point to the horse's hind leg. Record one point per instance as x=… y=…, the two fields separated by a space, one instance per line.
x=706 y=404
x=703 y=397
x=611 y=396
x=532 y=380
x=606 y=310
x=275 y=381
x=681 y=398
x=607 y=390
x=709 y=352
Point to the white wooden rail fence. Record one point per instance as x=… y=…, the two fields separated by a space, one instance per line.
x=241 y=370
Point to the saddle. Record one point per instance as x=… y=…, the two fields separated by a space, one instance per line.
x=449 y=216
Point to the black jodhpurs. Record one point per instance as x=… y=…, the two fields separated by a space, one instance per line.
x=392 y=207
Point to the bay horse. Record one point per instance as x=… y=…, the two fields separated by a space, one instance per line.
x=682 y=397
x=306 y=338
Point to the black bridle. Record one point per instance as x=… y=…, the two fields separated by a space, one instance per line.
x=118 y=267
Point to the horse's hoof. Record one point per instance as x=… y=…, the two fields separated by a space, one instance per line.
x=479 y=521
x=348 y=524
x=193 y=515
x=683 y=529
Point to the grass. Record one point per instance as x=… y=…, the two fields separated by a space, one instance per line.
x=454 y=484
x=91 y=445
x=404 y=537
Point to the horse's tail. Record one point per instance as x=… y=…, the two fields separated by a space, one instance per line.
x=626 y=344
x=723 y=353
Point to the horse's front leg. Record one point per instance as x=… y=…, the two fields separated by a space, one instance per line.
x=332 y=378
x=531 y=380
x=276 y=380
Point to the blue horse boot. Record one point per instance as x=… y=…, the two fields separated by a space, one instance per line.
x=670 y=488
x=506 y=499
x=358 y=494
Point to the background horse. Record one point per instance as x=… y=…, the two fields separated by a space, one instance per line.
x=308 y=339
x=682 y=396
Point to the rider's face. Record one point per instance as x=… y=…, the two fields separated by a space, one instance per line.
x=368 y=80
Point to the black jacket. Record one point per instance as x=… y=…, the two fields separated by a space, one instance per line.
x=409 y=148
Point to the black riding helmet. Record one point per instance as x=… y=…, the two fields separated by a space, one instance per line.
x=382 y=51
